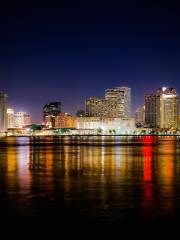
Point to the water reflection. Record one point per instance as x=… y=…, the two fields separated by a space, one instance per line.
x=138 y=179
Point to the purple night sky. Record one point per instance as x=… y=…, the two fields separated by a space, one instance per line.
x=71 y=51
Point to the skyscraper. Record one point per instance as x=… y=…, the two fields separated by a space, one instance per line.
x=3 y=112
x=161 y=108
x=123 y=97
x=50 y=111
x=99 y=107
x=169 y=108
x=21 y=119
x=152 y=110
x=10 y=118
x=140 y=116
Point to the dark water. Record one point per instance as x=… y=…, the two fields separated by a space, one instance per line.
x=90 y=180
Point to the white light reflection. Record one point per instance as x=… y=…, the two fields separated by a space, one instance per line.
x=23 y=165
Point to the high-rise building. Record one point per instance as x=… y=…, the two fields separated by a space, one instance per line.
x=52 y=108
x=21 y=119
x=152 y=110
x=64 y=120
x=140 y=116
x=50 y=111
x=99 y=107
x=10 y=118
x=123 y=97
x=3 y=112
x=161 y=108
x=169 y=109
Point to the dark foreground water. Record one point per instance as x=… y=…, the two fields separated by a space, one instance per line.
x=74 y=180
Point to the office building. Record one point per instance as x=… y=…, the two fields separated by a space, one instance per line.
x=99 y=107
x=179 y=122
x=3 y=112
x=10 y=118
x=123 y=97
x=50 y=111
x=64 y=120
x=21 y=119
x=140 y=116
x=152 y=110
x=169 y=109
x=161 y=109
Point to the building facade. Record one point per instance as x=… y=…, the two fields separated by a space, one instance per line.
x=140 y=116
x=106 y=125
x=169 y=109
x=64 y=120
x=161 y=109
x=50 y=111
x=10 y=118
x=179 y=122
x=123 y=97
x=3 y=112
x=21 y=119
x=152 y=110
x=49 y=121
x=99 y=107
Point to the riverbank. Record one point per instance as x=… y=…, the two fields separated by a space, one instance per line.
x=93 y=135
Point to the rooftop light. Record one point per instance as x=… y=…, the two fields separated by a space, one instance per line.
x=164 y=89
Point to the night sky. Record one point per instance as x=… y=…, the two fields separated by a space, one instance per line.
x=71 y=51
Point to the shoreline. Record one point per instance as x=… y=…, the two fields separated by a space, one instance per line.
x=93 y=135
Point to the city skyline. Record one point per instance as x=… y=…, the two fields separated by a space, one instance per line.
x=41 y=114
x=90 y=116
x=68 y=53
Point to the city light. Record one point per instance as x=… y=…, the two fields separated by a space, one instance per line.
x=108 y=116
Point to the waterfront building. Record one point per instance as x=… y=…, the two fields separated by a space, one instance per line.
x=99 y=107
x=107 y=125
x=10 y=118
x=50 y=111
x=3 y=112
x=123 y=97
x=64 y=120
x=152 y=110
x=21 y=119
x=161 y=109
x=169 y=109
x=140 y=116
x=49 y=121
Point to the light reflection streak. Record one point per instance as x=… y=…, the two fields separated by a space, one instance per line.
x=139 y=172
